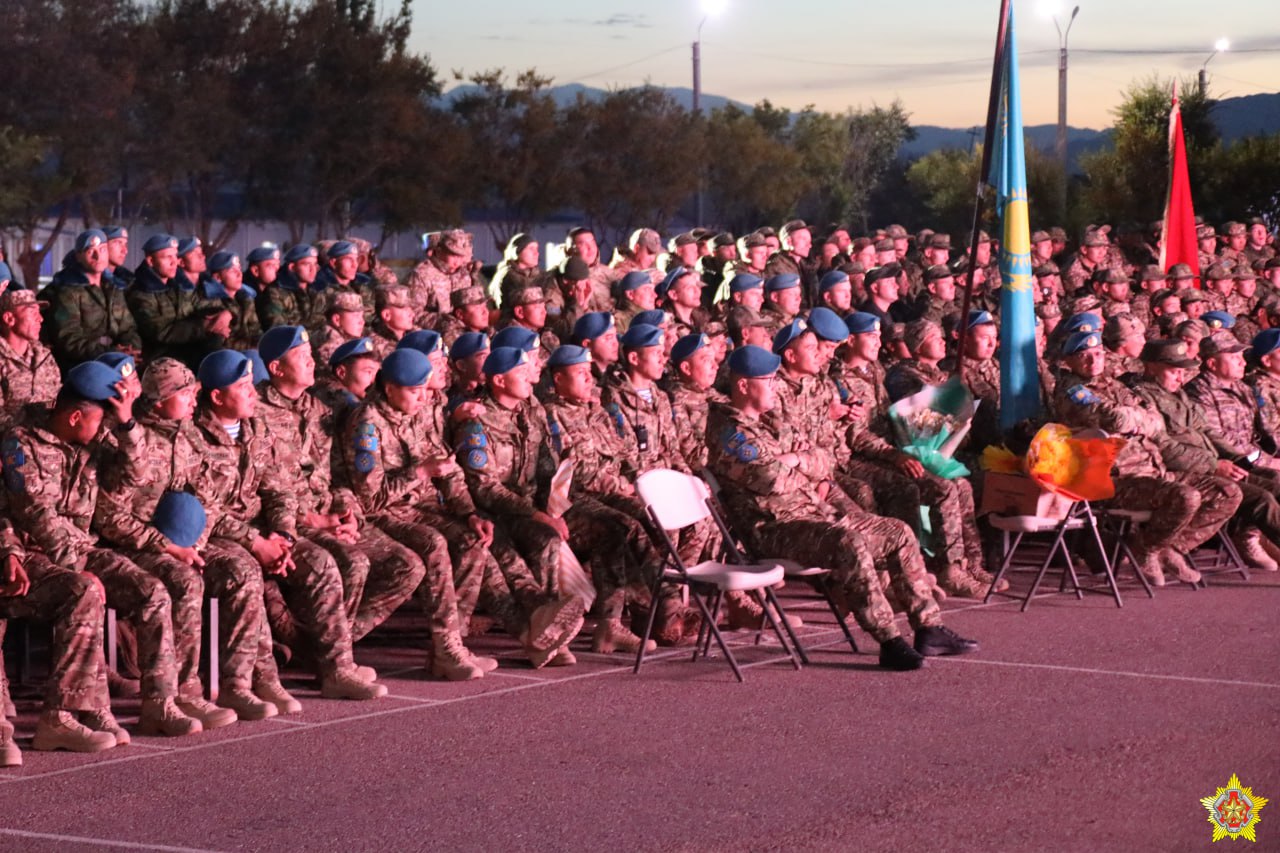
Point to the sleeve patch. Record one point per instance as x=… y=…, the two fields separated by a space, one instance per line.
x=476 y=439
x=477 y=459
x=748 y=453
x=14 y=458
x=366 y=429
x=1082 y=396
x=364 y=462
x=366 y=442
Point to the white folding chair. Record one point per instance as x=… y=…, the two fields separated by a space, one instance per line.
x=674 y=501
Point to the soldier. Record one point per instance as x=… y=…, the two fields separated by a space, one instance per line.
x=117 y=253
x=344 y=322
x=569 y=296
x=257 y=515
x=859 y=376
x=1123 y=336
x=684 y=301
x=263 y=267
x=508 y=461
x=446 y=269
x=394 y=320
x=1112 y=289
x=599 y=334
x=836 y=292
x=783 y=299
x=939 y=295
x=76 y=714
x=1185 y=514
x=640 y=255
x=470 y=314
x=1257 y=248
x=352 y=369
x=51 y=471
x=165 y=306
x=466 y=358
x=1151 y=280
x=169 y=450
x=980 y=373
x=745 y=289
x=518 y=270
x=1220 y=284
x=781 y=509
x=225 y=290
x=192 y=264
x=28 y=372
x=883 y=293
x=1041 y=248
x=1265 y=381
x=581 y=243
x=636 y=292
x=296 y=297
x=1235 y=235
x=682 y=251
x=1093 y=255
x=720 y=265
x=1207 y=245
x=341 y=274
x=527 y=309
x=1231 y=408
x=88 y=314
x=1193 y=452
x=793 y=259
x=1194 y=303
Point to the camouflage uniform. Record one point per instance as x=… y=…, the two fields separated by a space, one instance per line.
x=232 y=478
x=910 y=377
x=53 y=490
x=24 y=379
x=84 y=320
x=778 y=511
x=1266 y=391
x=430 y=287
x=245 y=327
x=286 y=303
x=168 y=318
x=1078 y=273
x=1117 y=366
x=689 y=408
x=602 y=277
x=323 y=344
x=1231 y=415
x=865 y=383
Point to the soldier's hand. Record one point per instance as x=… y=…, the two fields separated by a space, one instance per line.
x=439 y=467
x=1231 y=471
x=13 y=578
x=219 y=324
x=270 y=554
x=910 y=466
x=790 y=460
x=122 y=406
x=838 y=411
x=184 y=555
x=467 y=412
x=556 y=524
x=483 y=528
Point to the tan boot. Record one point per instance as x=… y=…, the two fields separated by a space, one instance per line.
x=1175 y=561
x=1272 y=551
x=273 y=693
x=103 y=721
x=209 y=714
x=1249 y=544
x=61 y=730
x=612 y=636
x=984 y=577
x=486 y=664
x=1151 y=568
x=246 y=705
x=553 y=624
x=10 y=755
x=164 y=717
x=123 y=688
x=957 y=582
x=451 y=660
x=345 y=684
x=366 y=673
x=563 y=657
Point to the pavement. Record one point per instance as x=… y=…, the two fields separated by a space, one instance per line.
x=1077 y=726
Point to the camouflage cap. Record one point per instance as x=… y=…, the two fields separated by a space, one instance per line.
x=1109 y=275
x=896 y=232
x=1197 y=329
x=894 y=332
x=1206 y=232
x=455 y=241
x=853 y=268
x=937 y=272
x=940 y=241
x=1253 y=220
x=1190 y=295
x=861 y=243
x=1085 y=303
x=723 y=240
x=1181 y=272
x=1245 y=272
x=1121 y=327
x=1039 y=237
x=685 y=239
x=645 y=238
x=884 y=245
x=754 y=240
x=1152 y=272
x=527 y=296
x=1219 y=272
x=1219 y=343
x=574 y=268
x=392 y=296
x=474 y=295
x=165 y=377
x=744 y=317
x=1058 y=233
x=1048 y=310
x=1170 y=351
x=918 y=331
x=1046 y=269
x=346 y=302
x=1097 y=236
x=15 y=298
x=1235 y=229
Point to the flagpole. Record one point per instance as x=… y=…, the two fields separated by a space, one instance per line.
x=979 y=203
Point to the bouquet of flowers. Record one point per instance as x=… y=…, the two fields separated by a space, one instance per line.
x=931 y=423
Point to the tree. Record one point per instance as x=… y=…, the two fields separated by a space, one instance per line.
x=753 y=176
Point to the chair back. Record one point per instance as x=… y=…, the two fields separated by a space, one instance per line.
x=675 y=500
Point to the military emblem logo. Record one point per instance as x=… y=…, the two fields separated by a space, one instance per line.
x=1234 y=811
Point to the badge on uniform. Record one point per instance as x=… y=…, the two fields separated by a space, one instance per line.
x=616 y=413
x=1082 y=396
x=477 y=459
x=476 y=439
x=364 y=462
x=366 y=442
x=748 y=453
x=14 y=459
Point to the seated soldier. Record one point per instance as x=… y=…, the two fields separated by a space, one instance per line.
x=782 y=510
x=225 y=289
x=684 y=302
x=394 y=319
x=636 y=292
x=88 y=314
x=1123 y=336
x=352 y=369
x=466 y=358
x=783 y=299
x=1265 y=381
x=166 y=308
x=470 y=314
x=296 y=297
x=343 y=323
x=836 y=292
x=28 y=372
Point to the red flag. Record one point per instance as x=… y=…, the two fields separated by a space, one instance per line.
x=1179 y=245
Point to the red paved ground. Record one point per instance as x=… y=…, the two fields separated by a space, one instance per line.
x=1077 y=727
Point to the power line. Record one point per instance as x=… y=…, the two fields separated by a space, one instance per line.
x=663 y=52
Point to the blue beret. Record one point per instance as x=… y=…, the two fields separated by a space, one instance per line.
x=753 y=362
x=654 y=317
x=1080 y=341
x=406 y=367
x=634 y=281
x=359 y=346
x=673 y=275
x=515 y=336
x=832 y=279
x=744 y=281
x=342 y=248
x=189 y=244
x=687 y=346
x=180 y=518
x=789 y=333
x=502 y=359
x=92 y=380
x=158 y=243
x=588 y=327
x=640 y=335
x=222 y=368
x=299 y=252
x=265 y=252
x=827 y=325
x=981 y=318
x=122 y=363
x=90 y=238
x=785 y=281
x=278 y=340
x=862 y=322
x=1219 y=319
x=468 y=344
x=567 y=355
x=1266 y=342
x=259 y=366
x=6 y=274
x=1083 y=322
x=425 y=341
x=222 y=261
x=115 y=232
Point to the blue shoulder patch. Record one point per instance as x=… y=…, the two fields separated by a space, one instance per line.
x=473 y=428
x=366 y=442
x=748 y=453
x=477 y=459
x=475 y=439
x=364 y=462
x=10 y=444
x=366 y=429
x=1082 y=396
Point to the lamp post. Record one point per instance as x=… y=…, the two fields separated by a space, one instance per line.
x=1061 y=147
x=710 y=8
x=1219 y=46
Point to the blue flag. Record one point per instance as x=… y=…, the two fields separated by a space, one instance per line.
x=1019 y=379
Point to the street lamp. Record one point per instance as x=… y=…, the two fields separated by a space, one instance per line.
x=710 y=8
x=1053 y=10
x=1219 y=46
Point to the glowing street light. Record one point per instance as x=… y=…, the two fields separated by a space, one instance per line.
x=1219 y=46
x=710 y=9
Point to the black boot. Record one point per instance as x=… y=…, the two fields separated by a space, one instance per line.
x=897 y=655
x=940 y=640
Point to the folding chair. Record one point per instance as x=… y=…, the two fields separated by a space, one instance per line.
x=209 y=653
x=674 y=501
x=1223 y=558
x=1123 y=522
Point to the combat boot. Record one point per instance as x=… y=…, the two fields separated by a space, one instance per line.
x=450 y=659
x=61 y=730
x=984 y=577
x=1174 y=560
x=123 y=688
x=553 y=625
x=745 y=612
x=1249 y=544
x=675 y=623
x=1150 y=568
x=564 y=656
x=345 y=684
x=957 y=582
x=897 y=654
x=163 y=717
x=273 y=693
x=612 y=636
x=366 y=673
x=102 y=720
x=10 y=755
x=209 y=714
x=933 y=640
x=246 y=705
x=486 y=664
x=1272 y=551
